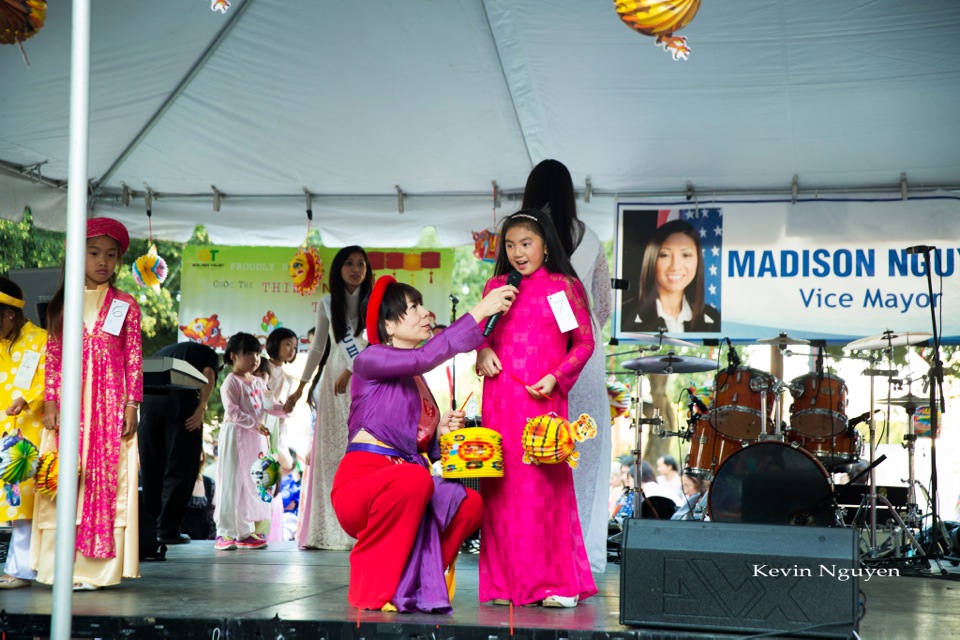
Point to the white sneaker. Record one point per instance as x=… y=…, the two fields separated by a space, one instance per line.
x=561 y=601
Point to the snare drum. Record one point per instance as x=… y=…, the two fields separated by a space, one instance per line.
x=832 y=452
x=708 y=450
x=737 y=407
x=819 y=405
x=771 y=483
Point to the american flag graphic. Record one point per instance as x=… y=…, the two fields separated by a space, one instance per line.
x=708 y=221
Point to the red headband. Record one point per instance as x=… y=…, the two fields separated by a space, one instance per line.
x=373 y=307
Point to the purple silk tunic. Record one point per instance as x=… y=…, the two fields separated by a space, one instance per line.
x=387 y=404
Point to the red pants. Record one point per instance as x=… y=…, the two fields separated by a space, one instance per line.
x=381 y=503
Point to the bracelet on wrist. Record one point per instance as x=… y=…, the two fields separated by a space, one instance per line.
x=132 y=403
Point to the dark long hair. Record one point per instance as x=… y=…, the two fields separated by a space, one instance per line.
x=12 y=289
x=55 y=308
x=338 y=292
x=537 y=221
x=550 y=187
x=648 y=272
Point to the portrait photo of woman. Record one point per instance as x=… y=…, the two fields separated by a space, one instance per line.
x=668 y=288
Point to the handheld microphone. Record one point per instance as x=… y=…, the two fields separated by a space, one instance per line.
x=514 y=280
x=863 y=417
x=920 y=248
x=697 y=401
x=733 y=359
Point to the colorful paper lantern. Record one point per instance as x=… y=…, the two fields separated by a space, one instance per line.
x=265 y=472
x=550 y=439
x=18 y=458
x=661 y=19
x=150 y=270
x=306 y=270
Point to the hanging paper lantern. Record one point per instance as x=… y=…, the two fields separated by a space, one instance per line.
x=430 y=260
x=18 y=458
x=306 y=270
x=265 y=472
x=550 y=439
x=150 y=270
x=21 y=19
x=660 y=18
x=485 y=244
x=619 y=397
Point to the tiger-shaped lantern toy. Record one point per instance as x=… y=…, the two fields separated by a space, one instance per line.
x=550 y=439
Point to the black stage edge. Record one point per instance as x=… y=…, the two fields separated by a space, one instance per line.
x=283 y=592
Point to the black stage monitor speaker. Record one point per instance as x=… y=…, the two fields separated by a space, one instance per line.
x=746 y=578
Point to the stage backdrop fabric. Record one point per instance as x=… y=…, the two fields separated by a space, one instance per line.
x=822 y=269
x=226 y=289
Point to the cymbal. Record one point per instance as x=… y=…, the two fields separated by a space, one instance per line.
x=659 y=338
x=889 y=339
x=670 y=363
x=910 y=399
x=782 y=341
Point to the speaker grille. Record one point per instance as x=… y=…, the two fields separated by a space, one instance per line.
x=739 y=577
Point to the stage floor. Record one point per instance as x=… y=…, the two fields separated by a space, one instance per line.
x=282 y=592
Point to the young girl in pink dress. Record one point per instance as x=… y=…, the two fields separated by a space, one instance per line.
x=107 y=525
x=532 y=549
x=243 y=519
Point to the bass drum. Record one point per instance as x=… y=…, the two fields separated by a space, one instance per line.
x=771 y=483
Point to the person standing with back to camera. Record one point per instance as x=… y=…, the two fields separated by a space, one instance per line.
x=550 y=188
x=532 y=547
x=672 y=284
x=338 y=328
x=171 y=441
x=107 y=505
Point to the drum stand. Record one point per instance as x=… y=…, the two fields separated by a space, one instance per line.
x=638 y=422
x=874 y=550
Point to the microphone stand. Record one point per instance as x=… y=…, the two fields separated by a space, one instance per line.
x=454 y=300
x=934 y=550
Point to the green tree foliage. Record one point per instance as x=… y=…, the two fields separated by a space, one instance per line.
x=23 y=246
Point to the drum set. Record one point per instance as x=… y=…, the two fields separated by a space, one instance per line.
x=765 y=467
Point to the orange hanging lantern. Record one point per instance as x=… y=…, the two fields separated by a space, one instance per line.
x=660 y=18
x=21 y=19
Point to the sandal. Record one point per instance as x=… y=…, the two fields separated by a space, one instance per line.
x=565 y=602
x=10 y=582
x=85 y=586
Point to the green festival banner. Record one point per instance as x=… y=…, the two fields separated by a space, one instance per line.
x=228 y=289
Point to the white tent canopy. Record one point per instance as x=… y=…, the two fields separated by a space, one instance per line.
x=352 y=100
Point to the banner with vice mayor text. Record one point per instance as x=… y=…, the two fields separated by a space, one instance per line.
x=821 y=269
x=228 y=289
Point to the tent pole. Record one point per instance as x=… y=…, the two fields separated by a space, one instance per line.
x=72 y=370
